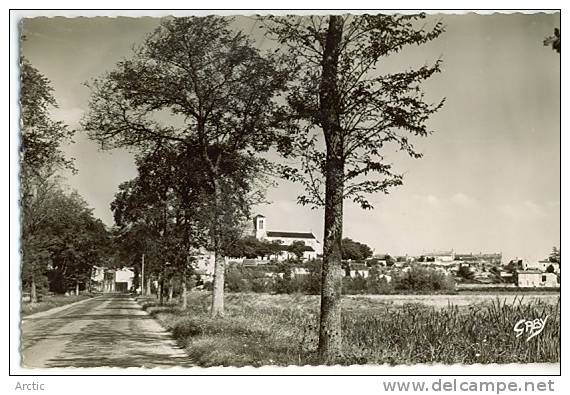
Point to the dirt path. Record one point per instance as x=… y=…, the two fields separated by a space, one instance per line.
x=107 y=331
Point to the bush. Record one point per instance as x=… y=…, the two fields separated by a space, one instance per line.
x=376 y=283
x=356 y=285
x=285 y=281
x=309 y=283
x=421 y=279
x=379 y=285
x=235 y=281
x=245 y=279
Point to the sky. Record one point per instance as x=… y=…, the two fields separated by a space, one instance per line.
x=489 y=180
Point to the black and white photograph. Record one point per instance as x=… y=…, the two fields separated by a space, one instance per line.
x=291 y=189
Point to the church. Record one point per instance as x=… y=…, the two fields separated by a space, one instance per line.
x=313 y=248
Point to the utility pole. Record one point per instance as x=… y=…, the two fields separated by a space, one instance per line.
x=142 y=275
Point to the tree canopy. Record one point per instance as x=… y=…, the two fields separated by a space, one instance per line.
x=374 y=111
x=41 y=136
x=40 y=193
x=354 y=250
x=65 y=245
x=194 y=82
x=250 y=247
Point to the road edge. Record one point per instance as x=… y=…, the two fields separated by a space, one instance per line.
x=56 y=309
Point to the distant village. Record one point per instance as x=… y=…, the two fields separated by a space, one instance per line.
x=470 y=270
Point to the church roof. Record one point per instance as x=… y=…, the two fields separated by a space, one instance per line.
x=305 y=248
x=291 y=235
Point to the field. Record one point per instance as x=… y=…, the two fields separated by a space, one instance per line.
x=263 y=329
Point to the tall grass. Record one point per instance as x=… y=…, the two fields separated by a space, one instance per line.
x=478 y=334
x=282 y=330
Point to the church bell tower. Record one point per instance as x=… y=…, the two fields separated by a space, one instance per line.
x=259 y=226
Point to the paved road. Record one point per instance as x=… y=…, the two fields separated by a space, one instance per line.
x=106 y=331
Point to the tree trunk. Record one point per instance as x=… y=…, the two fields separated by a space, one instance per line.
x=184 y=293
x=218 y=291
x=170 y=289
x=148 y=287
x=330 y=336
x=76 y=288
x=89 y=280
x=142 y=284
x=33 y=291
x=161 y=290
x=219 y=261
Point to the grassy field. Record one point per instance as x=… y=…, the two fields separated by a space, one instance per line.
x=263 y=329
x=49 y=302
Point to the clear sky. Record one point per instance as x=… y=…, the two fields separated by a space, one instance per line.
x=489 y=180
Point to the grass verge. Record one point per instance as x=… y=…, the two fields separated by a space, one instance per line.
x=50 y=302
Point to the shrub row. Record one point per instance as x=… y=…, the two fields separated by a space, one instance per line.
x=286 y=281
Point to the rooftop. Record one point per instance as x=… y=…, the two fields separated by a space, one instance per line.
x=291 y=235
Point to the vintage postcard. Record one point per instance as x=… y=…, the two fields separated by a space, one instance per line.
x=289 y=189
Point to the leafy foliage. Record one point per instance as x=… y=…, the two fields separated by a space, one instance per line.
x=193 y=80
x=58 y=232
x=374 y=110
x=354 y=250
x=196 y=83
x=65 y=245
x=419 y=278
x=161 y=212
x=78 y=242
x=251 y=247
x=297 y=248
x=41 y=136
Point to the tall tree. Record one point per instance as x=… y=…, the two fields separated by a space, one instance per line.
x=78 y=241
x=342 y=97
x=196 y=82
x=157 y=212
x=40 y=157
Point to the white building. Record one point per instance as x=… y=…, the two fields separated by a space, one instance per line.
x=313 y=247
x=441 y=256
x=113 y=280
x=535 y=278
